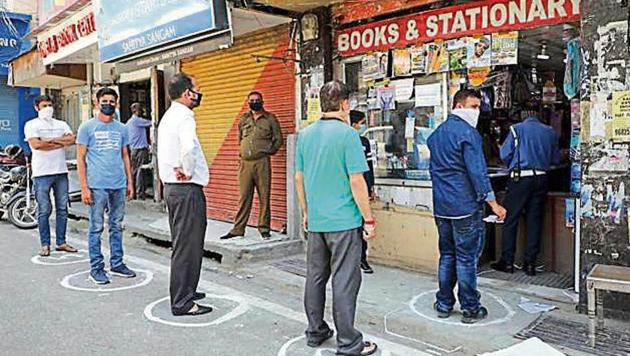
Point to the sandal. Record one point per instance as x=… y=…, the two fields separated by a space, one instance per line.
x=45 y=251
x=369 y=348
x=66 y=248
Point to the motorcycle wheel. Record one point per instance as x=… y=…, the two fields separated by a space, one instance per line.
x=21 y=216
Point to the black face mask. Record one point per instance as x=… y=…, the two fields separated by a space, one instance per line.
x=256 y=106
x=196 y=101
x=108 y=109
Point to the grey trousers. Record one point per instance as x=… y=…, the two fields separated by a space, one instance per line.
x=138 y=158
x=187 y=219
x=339 y=254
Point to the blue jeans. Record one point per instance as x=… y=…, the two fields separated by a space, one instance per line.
x=461 y=244
x=42 y=185
x=114 y=201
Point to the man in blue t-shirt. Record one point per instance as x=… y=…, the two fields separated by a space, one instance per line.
x=335 y=203
x=105 y=177
x=139 y=146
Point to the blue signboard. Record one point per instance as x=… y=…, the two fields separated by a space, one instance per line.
x=13 y=28
x=128 y=27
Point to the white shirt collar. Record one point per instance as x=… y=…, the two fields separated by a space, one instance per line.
x=179 y=105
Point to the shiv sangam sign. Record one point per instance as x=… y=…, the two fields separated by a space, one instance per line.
x=127 y=27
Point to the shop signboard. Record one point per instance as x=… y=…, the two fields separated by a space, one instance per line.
x=477 y=17
x=124 y=30
x=66 y=35
x=11 y=38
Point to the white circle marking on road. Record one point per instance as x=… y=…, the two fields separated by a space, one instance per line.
x=38 y=260
x=510 y=312
x=65 y=282
x=241 y=309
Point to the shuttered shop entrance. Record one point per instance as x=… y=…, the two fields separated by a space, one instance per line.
x=225 y=78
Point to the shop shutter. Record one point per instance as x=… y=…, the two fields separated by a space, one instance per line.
x=9 y=121
x=225 y=78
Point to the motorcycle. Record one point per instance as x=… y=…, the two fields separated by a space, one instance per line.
x=17 y=200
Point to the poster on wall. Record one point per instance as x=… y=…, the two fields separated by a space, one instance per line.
x=504 y=48
x=457 y=54
x=569 y=215
x=418 y=59
x=479 y=51
x=385 y=97
x=428 y=95
x=369 y=67
x=404 y=89
x=437 y=57
x=478 y=76
x=402 y=62
x=621 y=116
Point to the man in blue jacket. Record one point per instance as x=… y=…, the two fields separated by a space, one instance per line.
x=460 y=188
x=529 y=151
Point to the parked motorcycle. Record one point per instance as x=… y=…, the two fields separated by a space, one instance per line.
x=17 y=200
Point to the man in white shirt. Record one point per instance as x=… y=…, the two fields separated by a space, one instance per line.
x=47 y=138
x=184 y=172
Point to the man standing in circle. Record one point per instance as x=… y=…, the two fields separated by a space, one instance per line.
x=47 y=138
x=334 y=199
x=105 y=177
x=184 y=172
x=259 y=137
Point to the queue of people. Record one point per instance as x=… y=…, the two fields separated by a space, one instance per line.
x=334 y=182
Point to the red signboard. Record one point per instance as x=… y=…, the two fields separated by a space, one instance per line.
x=473 y=18
x=67 y=35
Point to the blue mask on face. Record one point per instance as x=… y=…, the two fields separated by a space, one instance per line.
x=108 y=109
x=362 y=129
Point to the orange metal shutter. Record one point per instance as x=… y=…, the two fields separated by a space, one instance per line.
x=226 y=77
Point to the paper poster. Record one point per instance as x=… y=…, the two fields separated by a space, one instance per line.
x=576 y=177
x=569 y=215
x=437 y=58
x=404 y=89
x=428 y=95
x=575 y=145
x=575 y=114
x=402 y=62
x=410 y=125
x=478 y=76
x=314 y=109
x=418 y=59
x=457 y=54
x=621 y=116
x=504 y=48
x=598 y=113
x=479 y=51
x=385 y=96
x=374 y=66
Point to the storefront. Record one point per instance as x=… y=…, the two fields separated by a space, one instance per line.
x=403 y=72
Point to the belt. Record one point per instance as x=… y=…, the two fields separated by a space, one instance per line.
x=529 y=173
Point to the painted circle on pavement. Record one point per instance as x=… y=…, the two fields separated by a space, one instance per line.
x=507 y=315
x=68 y=281
x=240 y=309
x=57 y=258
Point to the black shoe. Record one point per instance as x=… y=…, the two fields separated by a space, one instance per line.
x=201 y=310
x=199 y=296
x=471 y=318
x=366 y=268
x=229 y=235
x=319 y=342
x=530 y=269
x=265 y=235
x=440 y=313
x=502 y=266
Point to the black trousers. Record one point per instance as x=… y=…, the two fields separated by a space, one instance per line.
x=187 y=219
x=138 y=158
x=529 y=194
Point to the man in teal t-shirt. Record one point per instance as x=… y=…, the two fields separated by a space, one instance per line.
x=334 y=199
x=105 y=175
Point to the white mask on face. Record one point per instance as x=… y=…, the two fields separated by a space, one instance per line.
x=46 y=113
x=471 y=116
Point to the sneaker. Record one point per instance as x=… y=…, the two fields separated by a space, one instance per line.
x=440 y=313
x=471 y=318
x=99 y=276
x=366 y=268
x=122 y=271
x=265 y=235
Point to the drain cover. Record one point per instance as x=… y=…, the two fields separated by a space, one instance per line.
x=574 y=335
x=297 y=267
x=546 y=279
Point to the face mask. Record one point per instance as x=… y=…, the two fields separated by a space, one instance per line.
x=471 y=116
x=362 y=129
x=256 y=106
x=108 y=109
x=46 y=113
x=196 y=101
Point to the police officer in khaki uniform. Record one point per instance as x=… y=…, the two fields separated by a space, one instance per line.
x=260 y=138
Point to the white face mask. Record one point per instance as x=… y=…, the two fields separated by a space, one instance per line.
x=46 y=113
x=471 y=116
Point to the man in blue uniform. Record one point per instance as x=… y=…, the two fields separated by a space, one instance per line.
x=529 y=151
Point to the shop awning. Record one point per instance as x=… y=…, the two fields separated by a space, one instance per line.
x=28 y=70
